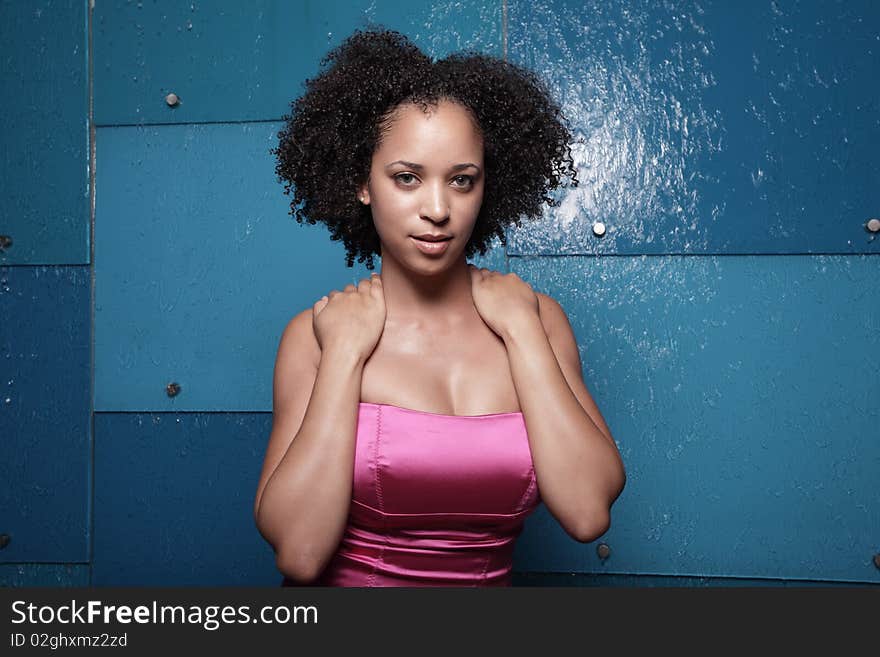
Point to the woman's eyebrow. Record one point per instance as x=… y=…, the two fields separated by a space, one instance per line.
x=419 y=167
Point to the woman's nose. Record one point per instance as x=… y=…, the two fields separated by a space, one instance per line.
x=435 y=205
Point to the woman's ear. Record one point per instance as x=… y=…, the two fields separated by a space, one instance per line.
x=364 y=195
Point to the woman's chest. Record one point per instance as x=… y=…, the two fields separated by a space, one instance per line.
x=411 y=468
x=468 y=374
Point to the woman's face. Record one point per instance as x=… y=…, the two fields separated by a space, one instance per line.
x=426 y=177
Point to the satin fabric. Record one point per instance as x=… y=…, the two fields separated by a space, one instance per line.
x=438 y=500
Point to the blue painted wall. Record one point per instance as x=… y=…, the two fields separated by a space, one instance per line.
x=45 y=308
x=725 y=317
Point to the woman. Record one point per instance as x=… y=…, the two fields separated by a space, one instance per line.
x=421 y=415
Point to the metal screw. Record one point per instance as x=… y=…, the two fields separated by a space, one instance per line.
x=5 y=242
x=598 y=229
x=4 y=540
x=172 y=100
x=873 y=225
x=172 y=389
x=603 y=551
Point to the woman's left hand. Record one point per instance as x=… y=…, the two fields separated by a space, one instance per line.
x=502 y=299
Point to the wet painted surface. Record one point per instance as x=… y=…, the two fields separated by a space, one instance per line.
x=739 y=391
x=44 y=162
x=232 y=61
x=43 y=574
x=642 y=581
x=710 y=127
x=174 y=499
x=196 y=267
x=44 y=413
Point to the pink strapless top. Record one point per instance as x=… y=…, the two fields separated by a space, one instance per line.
x=438 y=500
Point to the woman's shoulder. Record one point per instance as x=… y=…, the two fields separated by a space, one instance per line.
x=552 y=313
x=547 y=303
x=298 y=338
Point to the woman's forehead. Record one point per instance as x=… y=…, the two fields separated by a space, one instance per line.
x=447 y=125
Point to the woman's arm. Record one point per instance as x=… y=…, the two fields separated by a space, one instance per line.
x=578 y=467
x=304 y=494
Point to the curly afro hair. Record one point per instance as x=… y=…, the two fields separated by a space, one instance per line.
x=337 y=124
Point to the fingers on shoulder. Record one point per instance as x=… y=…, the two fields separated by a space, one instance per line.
x=372 y=283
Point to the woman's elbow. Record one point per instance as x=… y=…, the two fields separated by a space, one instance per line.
x=298 y=568
x=619 y=482
x=592 y=526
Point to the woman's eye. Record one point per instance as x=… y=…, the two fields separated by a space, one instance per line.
x=460 y=181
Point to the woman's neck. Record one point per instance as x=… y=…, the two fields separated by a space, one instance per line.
x=442 y=298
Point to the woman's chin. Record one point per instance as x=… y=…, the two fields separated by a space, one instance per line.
x=417 y=262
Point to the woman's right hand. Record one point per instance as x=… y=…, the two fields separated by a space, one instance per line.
x=353 y=318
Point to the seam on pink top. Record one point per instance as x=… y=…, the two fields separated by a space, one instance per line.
x=444 y=415
x=464 y=514
x=532 y=482
x=485 y=568
x=372 y=578
x=376 y=459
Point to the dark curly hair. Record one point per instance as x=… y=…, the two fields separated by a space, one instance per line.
x=337 y=124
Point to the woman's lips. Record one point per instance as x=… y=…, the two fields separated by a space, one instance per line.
x=431 y=248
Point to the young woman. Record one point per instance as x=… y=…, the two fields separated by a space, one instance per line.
x=420 y=415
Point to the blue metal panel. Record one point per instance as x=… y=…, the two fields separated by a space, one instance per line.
x=740 y=393
x=199 y=267
x=44 y=574
x=174 y=497
x=719 y=127
x=44 y=413
x=643 y=581
x=245 y=61
x=44 y=171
